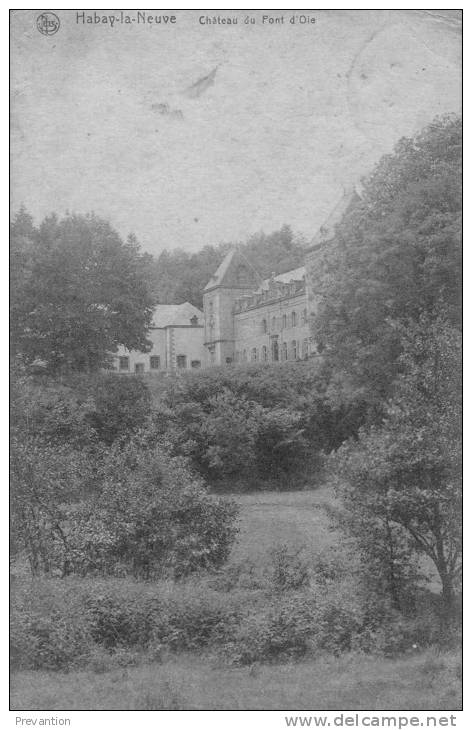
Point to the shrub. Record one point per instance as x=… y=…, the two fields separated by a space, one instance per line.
x=52 y=413
x=48 y=628
x=230 y=436
x=149 y=516
x=122 y=406
x=60 y=624
x=280 y=630
x=336 y=627
x=289 y=570
x=162 y=518
x=195 y=617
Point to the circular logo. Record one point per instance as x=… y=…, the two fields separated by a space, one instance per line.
x=48 y=23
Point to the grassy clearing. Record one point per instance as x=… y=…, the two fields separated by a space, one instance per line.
x=273 y=518
x=426 y=681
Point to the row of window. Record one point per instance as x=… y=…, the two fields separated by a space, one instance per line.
x=287 y=351
x=155 y=363
x=294 y=320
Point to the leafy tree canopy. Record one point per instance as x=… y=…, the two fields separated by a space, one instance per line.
x=406 y=471
x=78 y=291
x=396 y=254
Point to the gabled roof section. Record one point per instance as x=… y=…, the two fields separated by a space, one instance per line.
x=235 y=272
x=170 y=315
x=285 y=278
x=326 y=231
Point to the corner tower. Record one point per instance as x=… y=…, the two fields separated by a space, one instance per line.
x=234 y=277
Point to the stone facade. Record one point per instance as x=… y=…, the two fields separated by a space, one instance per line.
x=177 y=343
x=251 y=320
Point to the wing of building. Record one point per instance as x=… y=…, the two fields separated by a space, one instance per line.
x=248 y=319
x=177 y=342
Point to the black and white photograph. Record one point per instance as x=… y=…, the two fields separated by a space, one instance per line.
x=236 y=365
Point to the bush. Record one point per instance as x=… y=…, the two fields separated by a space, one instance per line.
x=262 y=426
x=60 y=624
x=194 y=617
x=48 y=626
x=336 y=627
x=149 y=515
x=231 y=437
x=289 y=570
x=122 y=406
x=52 y=413
x=81 y=411
x=283 y=629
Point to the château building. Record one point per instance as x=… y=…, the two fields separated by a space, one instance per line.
x=245 y=318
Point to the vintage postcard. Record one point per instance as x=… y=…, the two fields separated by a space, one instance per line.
x=235 y=319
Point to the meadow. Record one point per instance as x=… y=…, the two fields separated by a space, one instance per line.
x=426 y=681
x=420 y=679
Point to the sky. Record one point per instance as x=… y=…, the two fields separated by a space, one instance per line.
x=192 y=134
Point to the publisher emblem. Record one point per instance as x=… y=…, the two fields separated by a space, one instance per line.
x=48 y=23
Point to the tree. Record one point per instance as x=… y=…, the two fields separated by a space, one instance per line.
x=395 y=255
x=79 y=293
x=404 y=475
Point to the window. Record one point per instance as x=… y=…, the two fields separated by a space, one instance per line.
x=154 y=362
x=123 y=363
x=294 y=319
x=196 y=364
x=139 y=368
x=284 y=321
x=293 y=350
x=274 y=321
x=305 y=316
x=181 y=361
x=264 y=326
x=194 y=320
x=242 y=276
x=305 y=349
x=244 y=356
x=275 y=350
x=284 y=351
x=254 y=354
x=264 y=353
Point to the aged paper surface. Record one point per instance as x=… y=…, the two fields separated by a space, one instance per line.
x=194 y=131
x=221 y=148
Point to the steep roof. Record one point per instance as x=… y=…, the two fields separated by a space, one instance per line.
x=235 y=271
x=169 y=315
x=286 y=277
x=326 y=231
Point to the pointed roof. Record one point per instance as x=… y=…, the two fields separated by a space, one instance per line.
x=285 y=278
x=235 y=272
x=169 y=315
x=326 y=231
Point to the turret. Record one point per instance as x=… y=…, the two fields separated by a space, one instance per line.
x=234 y=278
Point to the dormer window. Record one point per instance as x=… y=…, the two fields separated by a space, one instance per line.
x=194 y=320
